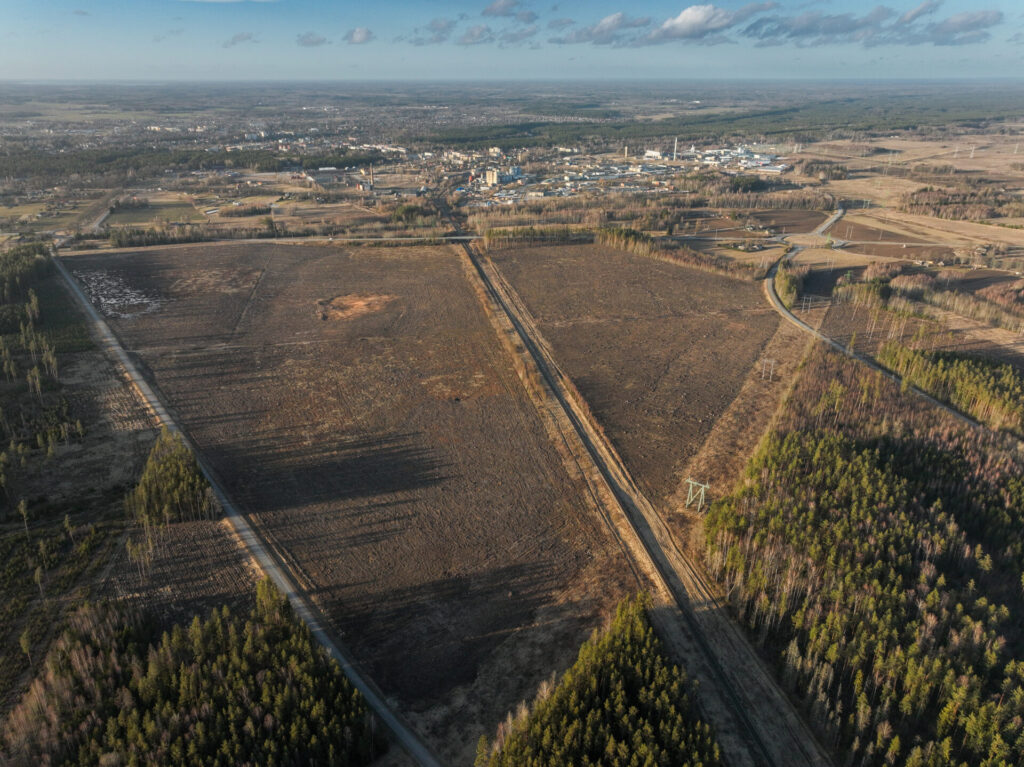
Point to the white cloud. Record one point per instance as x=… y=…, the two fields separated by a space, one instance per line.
x=358 y=36
x=700 y=21
x=608 y=30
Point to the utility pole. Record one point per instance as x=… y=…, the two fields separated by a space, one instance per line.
x=695 y=493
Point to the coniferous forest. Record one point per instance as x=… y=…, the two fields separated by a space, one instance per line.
x=227 y=690
x=876 y=547
x=623 y=703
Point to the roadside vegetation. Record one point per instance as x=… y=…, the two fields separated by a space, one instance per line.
x=879 y=548
x=642 y=244
x=789 y=281
x=622 y=703
x=224 y=690
x=171 y=489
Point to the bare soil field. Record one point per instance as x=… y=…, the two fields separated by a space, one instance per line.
x=853 y=227
x=880 y=190
x=908 y=251
x=389 y=452
x=789 y=221
x=658 y=351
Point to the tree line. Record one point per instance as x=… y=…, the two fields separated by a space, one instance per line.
x=876 y=550
x=643 y=244
x=621 y=704
x=170 y=489
x=962 y=203
x=224 y=690
x=789 y=281
x=990 y=391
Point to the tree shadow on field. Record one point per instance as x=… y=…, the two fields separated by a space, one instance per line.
x=425 y=640
x=274 y=474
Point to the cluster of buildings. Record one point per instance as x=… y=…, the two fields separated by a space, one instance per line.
x=739 y=158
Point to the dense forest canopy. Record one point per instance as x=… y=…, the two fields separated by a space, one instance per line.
x=226 y=690
x=623 y=703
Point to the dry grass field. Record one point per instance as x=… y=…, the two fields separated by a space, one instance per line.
x=789 y=221
x=658 y=351
x=360 y=407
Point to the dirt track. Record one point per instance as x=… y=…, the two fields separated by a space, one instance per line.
x=755 y=722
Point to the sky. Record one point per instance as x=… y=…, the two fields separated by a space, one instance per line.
x=340 y=40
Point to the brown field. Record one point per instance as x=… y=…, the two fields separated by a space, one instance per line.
x=951 y=233
x=853 y=227
x=908 y=251
x=658 y=351
x=790 y=221
x=391 y=455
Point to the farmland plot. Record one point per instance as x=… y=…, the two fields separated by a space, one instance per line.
x=658 y=351
x=359 y=406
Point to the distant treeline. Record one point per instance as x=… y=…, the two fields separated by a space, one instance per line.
x=150 y=162
x=824 y=169
x=876 y=112
x=642 y=244
x=495 y=239
x=130 y=237
x=128 y=203
x=962 y=204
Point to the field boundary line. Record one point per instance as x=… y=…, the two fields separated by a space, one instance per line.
x=278 y=572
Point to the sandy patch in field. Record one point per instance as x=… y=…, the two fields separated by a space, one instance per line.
x=350 y=307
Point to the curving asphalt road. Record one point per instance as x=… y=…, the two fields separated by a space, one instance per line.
x=773 y=299
x=270 y=565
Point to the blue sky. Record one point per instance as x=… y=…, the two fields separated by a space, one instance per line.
x=508 y=39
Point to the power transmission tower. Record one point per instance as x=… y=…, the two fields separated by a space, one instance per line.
x=695 y=493
x=767 y=369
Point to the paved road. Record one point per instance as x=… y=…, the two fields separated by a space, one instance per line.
x=773 y=299
x=270 y=565
x=829 y=221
